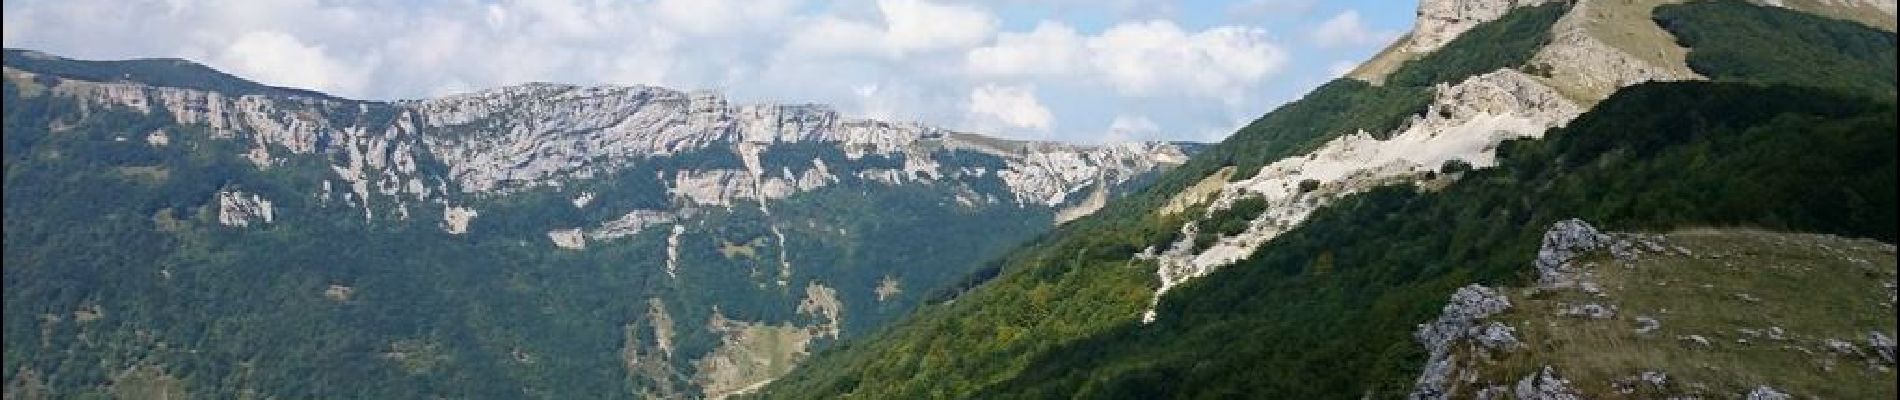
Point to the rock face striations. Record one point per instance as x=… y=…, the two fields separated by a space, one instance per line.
x=505 y=140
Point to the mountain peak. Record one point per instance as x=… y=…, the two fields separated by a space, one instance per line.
x=1440 y=21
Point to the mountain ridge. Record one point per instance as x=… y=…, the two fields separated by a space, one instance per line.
x=778 y=229
x=1290 y=273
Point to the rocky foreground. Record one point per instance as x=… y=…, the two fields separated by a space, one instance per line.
x=1711 y=313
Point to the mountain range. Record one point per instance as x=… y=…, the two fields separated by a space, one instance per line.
x=543 y=239
x=1532 y=199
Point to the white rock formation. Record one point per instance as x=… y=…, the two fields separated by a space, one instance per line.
x=1580 y=60
x=542 y=135
x=571 y=239
x=632 y=223
x=1464 y=122
x=455 y=219
x=158 y=138
x=240 y=209
x=1440 y=21
x=533 y=134
x=673 y=251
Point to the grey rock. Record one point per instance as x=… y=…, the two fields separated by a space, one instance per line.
x=1497 y=336
x=1495 y=393
x=1564 y=241
x=1767 y=393
x=1647 y=324
x=1841 y=346
x=240 y=209
x=1545 y=385
x=1882 y=345
x=1591 y=311
x=1460 y=320
x=1655 y=381
x=1698 y=340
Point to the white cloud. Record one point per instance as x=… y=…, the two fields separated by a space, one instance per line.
x=1052 y=48
x=721 y=17
x=1250 y=9
x=922 y=25
x=831 y=35
x=1132 y=127
x=1062 y=69
x=904 y=27
x=1010 y=106
x=1341 y=68
x=1144 y=58
x=1141 y=59
x=1346 y=29
x=278 y=58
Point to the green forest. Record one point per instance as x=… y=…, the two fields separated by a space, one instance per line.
x=1327 y=309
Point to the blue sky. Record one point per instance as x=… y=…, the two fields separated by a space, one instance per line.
x=1073 y=70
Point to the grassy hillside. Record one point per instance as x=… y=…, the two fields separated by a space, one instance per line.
x=1769 y=309
x=1326 y=310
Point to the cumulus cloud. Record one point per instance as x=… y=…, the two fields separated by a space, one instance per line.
x=277 y=57
x=1009 y=106
x=1052 y=48
x=722 y=17
x=922 y=25
x=1146 y=58
x=1347 y=29
x=1249 y=9
x=1154 y=56
x=1132 y=127
x=903 y=27
x=1065 y=69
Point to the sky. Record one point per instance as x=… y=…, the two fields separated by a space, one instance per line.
x=1088 y=71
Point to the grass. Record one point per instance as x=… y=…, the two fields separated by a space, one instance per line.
x=1627 y=25
x=1814 y=287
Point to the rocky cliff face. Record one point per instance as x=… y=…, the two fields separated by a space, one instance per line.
x=714 y=211
x=1440 y=21
x=505 y=140
x=1464 y=123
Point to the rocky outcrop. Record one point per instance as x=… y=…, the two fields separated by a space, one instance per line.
x=1882 y=346
x=1464 y=337
x=240 y=209
x=1583 y=55
x=1461 y=322
x=1440 y=21
x=1767 y=393
x=455 y=219
x=1593 y=323
x=504 y=140
x=1563 y=242
x=1545 y=385
x=538 y=133
x=1464 y=122
x=633 y=222
x=571 y=239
